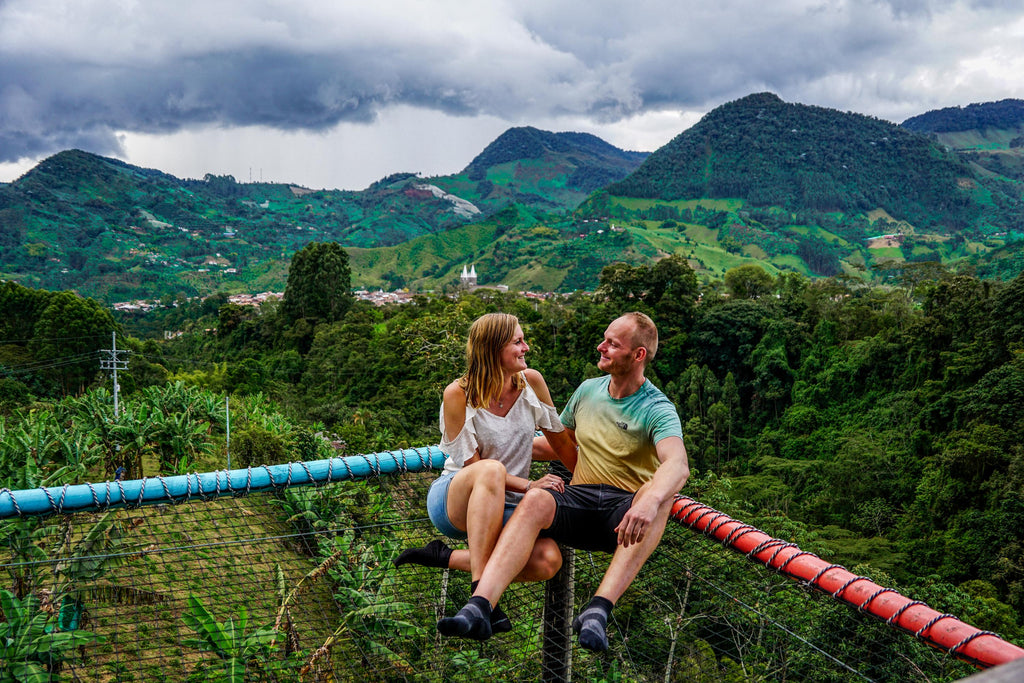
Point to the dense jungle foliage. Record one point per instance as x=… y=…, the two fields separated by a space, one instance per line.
x=883 y=420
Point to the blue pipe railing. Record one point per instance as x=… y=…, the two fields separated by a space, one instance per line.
x=179 y=488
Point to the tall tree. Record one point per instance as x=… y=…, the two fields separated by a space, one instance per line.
x=69 y=333
x=319 y=284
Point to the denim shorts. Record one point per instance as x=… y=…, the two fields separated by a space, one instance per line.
x=437 y=507
x=587 y=514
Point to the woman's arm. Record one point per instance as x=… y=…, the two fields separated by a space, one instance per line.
x=454 y=403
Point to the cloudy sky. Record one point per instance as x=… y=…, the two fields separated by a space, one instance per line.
x=337 y=94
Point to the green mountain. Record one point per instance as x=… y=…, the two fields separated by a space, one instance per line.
x=770 y=153
x=536 y=169
x=790 y=187
x=115 y=231
x=816 y=191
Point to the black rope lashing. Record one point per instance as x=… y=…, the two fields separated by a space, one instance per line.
x=842 y=589
x=167 y=490
x=53 y=503
x=765 y=545
x=782 y=546
x=374 y=466
x=424 y=462
x=199 y=488
x=738 y=533
x=14 y=500
x=712 y=530
x=95 y=498
x=308 y=473
x=188 y=486
x=63 y=495
x=348 y=469
x=899 y=613
x=822 y=572
x=871 y=598
x=715 y=514
x=400 y=464
x=685 y=510
x=936 y=619
x=963 y=643
x=802 y=553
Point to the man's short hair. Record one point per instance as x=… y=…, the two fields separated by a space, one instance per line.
x=645 y=333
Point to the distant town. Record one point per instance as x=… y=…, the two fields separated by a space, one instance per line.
x=379 y=297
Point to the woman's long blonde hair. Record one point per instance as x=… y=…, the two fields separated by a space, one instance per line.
x=484 y=378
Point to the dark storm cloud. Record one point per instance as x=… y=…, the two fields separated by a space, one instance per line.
x=80 y=73
x=46 y=106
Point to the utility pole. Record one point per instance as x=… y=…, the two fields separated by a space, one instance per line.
x=227 y=415
x=114 y=364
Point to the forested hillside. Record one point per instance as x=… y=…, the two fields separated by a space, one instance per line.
x=770 y=153
x=793 y=188
x=115 y=231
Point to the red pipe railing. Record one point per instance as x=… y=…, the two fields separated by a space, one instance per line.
x=944 y=631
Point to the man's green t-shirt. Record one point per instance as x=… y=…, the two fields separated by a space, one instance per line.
x=617 y=437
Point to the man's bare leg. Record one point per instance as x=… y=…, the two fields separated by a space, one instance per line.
x=626 y=563
x=544 y=562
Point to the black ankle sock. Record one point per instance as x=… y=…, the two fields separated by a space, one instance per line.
x=500 y=623
x=433 y=554
x=472 y=621
x=591 y=623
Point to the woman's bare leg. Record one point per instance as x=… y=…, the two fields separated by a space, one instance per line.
x=476 y=505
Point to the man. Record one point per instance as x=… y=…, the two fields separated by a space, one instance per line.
x=631 y=462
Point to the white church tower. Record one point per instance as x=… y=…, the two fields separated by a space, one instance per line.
x=468 y=277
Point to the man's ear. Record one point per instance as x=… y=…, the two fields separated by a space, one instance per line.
x=640 y=354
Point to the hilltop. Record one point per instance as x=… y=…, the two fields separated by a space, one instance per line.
x=771 y=153
x=816 y=191
x=117 y=231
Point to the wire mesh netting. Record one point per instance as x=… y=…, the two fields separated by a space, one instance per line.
x=299 y=584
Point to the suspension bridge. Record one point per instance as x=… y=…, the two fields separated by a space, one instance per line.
x=284 y=573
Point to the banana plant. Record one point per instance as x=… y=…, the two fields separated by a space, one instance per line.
x=31 y=650
x=228 y=639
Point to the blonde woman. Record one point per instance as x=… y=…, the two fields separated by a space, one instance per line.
x=488 y=420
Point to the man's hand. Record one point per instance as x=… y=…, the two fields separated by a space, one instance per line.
x=637 y=520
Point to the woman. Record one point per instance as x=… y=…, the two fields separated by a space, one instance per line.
x=488 y=420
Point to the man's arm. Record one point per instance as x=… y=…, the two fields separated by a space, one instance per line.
x=556 y=446
x=553 y=445
x=668 y=479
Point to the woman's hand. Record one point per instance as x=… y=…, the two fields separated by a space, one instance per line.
x=552 y=482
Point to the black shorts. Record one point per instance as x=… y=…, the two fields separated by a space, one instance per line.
x=586 y=516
